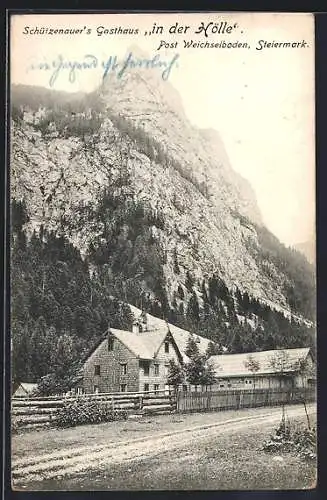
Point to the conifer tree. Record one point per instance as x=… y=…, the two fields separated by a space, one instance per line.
x=213 y=350
x=193 y=310
x=189 y=282
x=198 y=371
x=176 y=375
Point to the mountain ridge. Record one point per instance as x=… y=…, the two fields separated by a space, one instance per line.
x=61 y=164
x=307 y=248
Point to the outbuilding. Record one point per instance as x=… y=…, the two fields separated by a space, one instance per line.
x=274 y=369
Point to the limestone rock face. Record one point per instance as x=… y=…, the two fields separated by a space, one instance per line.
x=209 y=211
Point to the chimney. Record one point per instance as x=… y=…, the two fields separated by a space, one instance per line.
x=136 y=327
x=140 y=325
x=144 y=321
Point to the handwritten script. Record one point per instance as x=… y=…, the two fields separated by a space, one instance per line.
x=90 y=62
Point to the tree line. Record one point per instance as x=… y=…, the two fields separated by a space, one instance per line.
x=62 y=303
x=59 y=310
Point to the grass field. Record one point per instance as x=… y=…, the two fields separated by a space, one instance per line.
x=229 y=460
x=49 y=440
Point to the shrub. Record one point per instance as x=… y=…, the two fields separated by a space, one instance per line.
x=305 y=443
x=301 y=441
x=86 y=411
x=280 y=440
x=15 y=425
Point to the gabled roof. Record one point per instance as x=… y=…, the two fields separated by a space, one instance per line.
x=229 y=365
x=144 y=345
x=153 y=339
x=27 y=387
x=180 y=336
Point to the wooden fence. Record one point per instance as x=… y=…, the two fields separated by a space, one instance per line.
x=237 y=399
x=34 y=412
x=27 y=412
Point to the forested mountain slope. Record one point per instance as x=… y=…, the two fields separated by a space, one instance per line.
x=116 y=194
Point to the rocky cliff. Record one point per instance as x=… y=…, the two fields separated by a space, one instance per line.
x=81 y=162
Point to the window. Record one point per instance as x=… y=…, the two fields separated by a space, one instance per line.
x=146 y=387
x=166 y=370
x=156 y=388
x=145 y=365
x=123 y=368
x=110 y=343
x=167 y=346
x=156 y=369
x=96 y=389
x=97 y=370
x=123 y=388
x=185 y=388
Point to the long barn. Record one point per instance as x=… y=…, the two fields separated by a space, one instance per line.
x=279 y=368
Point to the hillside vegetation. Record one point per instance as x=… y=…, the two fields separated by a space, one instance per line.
x=105 y=212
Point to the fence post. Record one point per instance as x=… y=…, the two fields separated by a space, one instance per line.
x=177 y=398
x=173 y=399
x=209 y=401
x=113 y=404
x=238 y=400
x=289 y=396
x=306 y=411
x=140 y=402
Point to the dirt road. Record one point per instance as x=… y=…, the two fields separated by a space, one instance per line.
x=63 y=464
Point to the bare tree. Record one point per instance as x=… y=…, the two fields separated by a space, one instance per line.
x=304 y=369
x=280 y=363
x=252 y=365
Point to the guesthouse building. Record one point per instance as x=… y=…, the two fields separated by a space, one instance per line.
x=137 y=360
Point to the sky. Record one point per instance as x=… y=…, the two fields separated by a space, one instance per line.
x=260 y=101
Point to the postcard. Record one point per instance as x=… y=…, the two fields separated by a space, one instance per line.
x=162 y=237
